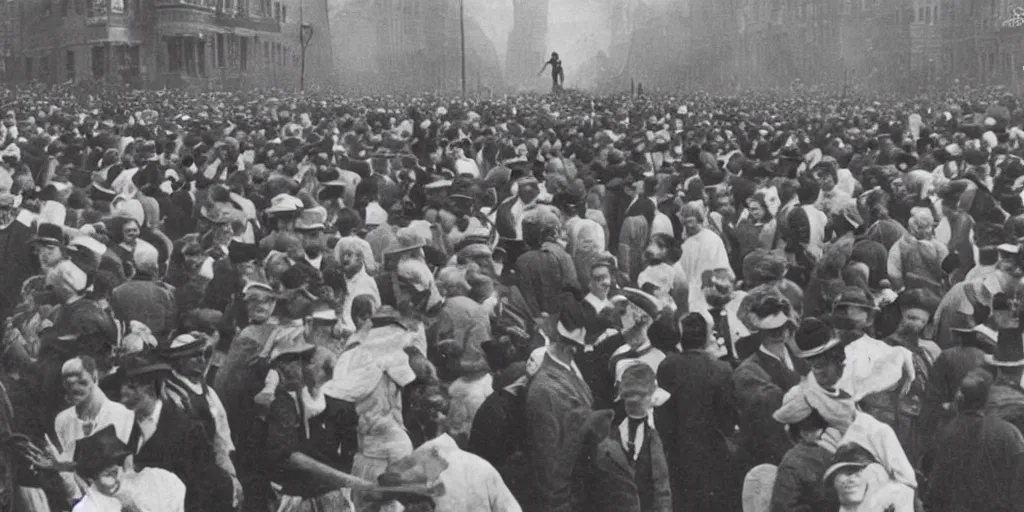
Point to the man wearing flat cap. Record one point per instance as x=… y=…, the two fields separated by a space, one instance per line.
x=630 y=471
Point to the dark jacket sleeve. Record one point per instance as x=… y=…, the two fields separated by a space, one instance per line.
x=546 y=433
x=786 y=491
x=758 y=398
x=221 y=288
x=282 y=424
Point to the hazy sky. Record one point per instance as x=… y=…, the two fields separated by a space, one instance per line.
x=577 y=29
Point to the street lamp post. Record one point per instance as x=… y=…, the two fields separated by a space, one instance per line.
x=305 y=36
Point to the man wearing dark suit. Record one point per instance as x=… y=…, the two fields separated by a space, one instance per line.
x=165 y=437
x=558 y=402
x=629 y=471
x=695 y=421
x=760 y=382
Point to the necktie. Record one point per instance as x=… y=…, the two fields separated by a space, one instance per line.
x=634 y=425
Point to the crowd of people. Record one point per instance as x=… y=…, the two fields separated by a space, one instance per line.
x=270 y=301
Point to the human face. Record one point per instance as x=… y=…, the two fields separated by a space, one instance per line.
x=913 y=321
x=108 y=481
x=133 y=394
x=528 y=193
x=49 y=255
x=222 y=234
x=828 y=367
x=692 y=225
x=194 y=260
x=851 y=486
x=351 y=261
x=130 y=232
x=632 y=316
x=78 y=386
x=859 y=316
x=313 y=242
x=655 y=253
x=756 y=210
x=259 y=308
x=638 y=405
x=196 y=365
x=825 y=181
x=898 y=188
x=600 y=282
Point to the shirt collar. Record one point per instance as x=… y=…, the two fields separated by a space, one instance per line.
x=315 y=261
x=154 y=416
x=786 y=361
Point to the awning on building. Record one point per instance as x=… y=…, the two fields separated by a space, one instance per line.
x=245 y=32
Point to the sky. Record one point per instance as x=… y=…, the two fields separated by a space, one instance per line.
x=577 y=29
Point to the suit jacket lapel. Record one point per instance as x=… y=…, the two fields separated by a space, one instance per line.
x=778 y=373
x=617 y=453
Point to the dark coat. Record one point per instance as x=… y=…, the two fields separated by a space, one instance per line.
x=547 y=277
x=612 y=483
x=975 y=465
x=949 y=369
x=759 y=383
x=694 y=424
x=148 y=301
x=557 y=404
x=19 y=264
x=1007 y=402
x=180 y=445
x=798 y=486
x=498 y=436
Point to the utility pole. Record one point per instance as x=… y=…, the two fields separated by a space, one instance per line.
x=305 y=36
x=462 y=31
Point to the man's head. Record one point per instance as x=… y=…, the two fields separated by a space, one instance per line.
x=80 y=377
x=141 y=380
x=974 y=389
x=637 y=385
x=693 y=218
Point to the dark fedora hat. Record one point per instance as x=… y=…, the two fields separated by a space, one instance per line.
x=49 y=234
x=99 y=451
x=136 y=365
x=814 y=337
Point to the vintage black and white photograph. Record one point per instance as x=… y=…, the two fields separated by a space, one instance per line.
x=511 y=256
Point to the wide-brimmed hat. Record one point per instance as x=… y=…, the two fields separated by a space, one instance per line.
x=99 y=451
x=299 y=350
x=853 y=296
x=284 y=203
x=641 y=299
x=849 y=456
x=49 y=234
x=332 y=189
x=814 y=337
x=137 y=365
x=185 y=346
x=311 y=219
x=255 y=289
x=1009 y=349
x=407 y=240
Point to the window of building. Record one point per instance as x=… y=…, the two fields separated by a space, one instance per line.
x=266 y=53
x=928 y=15
x=284 y=14
x=69 y=65
x=221 y=50
x=277 y=11
x=65 y=7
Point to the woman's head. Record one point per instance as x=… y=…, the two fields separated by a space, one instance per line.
x=757 y=207
x=847 y=474
x=921 y=224
x=662 y=249
x=601 y=278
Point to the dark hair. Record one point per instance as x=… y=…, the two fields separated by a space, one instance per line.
x=808 y=190
x=693 y=331
x=348 y=221
x=974 y=389
x=671 y=245
x=362 y=306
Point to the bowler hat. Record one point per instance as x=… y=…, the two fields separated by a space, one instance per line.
x=1009 y=349
x=185 y=346
x=849 y=456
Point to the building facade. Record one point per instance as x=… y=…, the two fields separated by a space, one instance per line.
x=219 y=44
